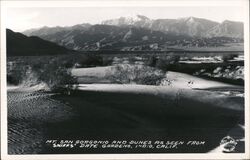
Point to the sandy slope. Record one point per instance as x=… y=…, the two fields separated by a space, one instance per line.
x=207 y=97
x=173 y=79
x=182 y=88
x=182 y=80
x=28 y=88
x=115 y=111
x=29 y=113
x=150 y=112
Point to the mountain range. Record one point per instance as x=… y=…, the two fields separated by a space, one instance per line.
x=142 y=33
x=190 y=26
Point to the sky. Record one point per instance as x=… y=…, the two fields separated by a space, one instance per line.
x=20 y=19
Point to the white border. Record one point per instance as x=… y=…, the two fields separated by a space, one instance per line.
x=123 y=3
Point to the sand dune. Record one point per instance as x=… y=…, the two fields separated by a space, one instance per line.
x=182 y=80
x=28 y=115
x=173 y=79
x=116 y=111
x=208 y=97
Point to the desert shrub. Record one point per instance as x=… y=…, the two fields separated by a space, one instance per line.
x=83 y=62
x=228 y=57
x=138 y=74
x=94 y=60
x=91 y=61
x=55 y=71
x=174 y=58
x=16 y=75
x=106 y=61
x=152 y=61
x=163 y=63
x=55 y=74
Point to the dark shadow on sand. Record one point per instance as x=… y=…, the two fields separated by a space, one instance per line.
x=130 y=116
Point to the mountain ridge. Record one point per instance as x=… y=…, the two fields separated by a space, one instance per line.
x=20 y=45
x=191 y=26
x=142 y=33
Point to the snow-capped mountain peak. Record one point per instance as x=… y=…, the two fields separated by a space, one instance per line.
x=126 y=20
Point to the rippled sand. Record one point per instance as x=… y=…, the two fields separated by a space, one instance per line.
x=28 y=115
x=120 y=111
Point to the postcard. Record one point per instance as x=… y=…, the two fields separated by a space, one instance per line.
x=125 y=79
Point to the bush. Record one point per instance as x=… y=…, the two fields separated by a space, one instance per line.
x=138 y=74
x=163 y=63
x=16 y=75
x=228 y=57
x=94 y=60
x=55 y=72
x=152 y=61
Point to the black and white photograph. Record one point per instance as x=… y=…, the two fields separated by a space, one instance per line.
x=125 y=78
